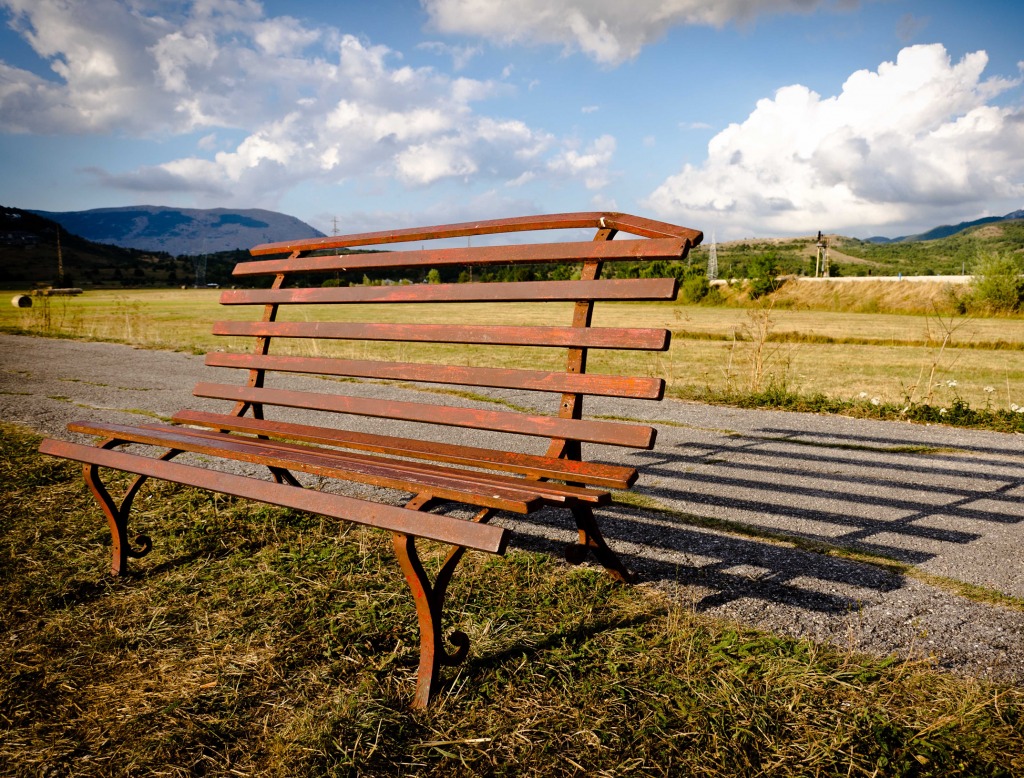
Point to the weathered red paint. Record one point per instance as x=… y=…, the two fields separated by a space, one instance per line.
x=634 y=225
x=633 y=289
x=607 y=432
x=635 y=339
x=644 y=388
x=593 y=473
x=527 y=253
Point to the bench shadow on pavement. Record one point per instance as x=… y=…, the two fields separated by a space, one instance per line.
x=721 y=567
x=1015 y=452
x=856 y=492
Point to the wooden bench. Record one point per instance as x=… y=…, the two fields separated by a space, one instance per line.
x=269 y=426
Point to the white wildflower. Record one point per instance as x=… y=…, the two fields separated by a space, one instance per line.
x=1014 y=407
x=1020 y=410
x=863 y=395
x=875 y=401
x=943 y=411
x=989 y=389
x=951 y=384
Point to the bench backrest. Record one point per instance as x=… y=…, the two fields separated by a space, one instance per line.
x=309 y=318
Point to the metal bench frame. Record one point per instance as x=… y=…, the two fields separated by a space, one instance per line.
x=431 y=471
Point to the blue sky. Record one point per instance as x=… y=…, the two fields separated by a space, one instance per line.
x=737 y=117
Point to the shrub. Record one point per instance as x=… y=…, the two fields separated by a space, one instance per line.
x=997 y=286
x=694 y=286
x=762 y=272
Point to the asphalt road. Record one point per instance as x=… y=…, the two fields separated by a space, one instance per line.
x=945 y=501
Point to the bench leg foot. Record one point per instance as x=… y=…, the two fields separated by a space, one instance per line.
x=429 y=598
x=117 y=515
x=591 y=540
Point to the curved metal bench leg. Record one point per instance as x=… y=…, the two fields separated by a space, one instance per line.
x=283 y=476
x=429 y=598
x=117 y=515
x=592 y=540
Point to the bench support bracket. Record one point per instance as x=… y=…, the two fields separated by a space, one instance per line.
x=117 y=515
x=591 y=540
x=429 y=598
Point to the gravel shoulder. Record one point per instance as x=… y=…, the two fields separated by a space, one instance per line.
x=942 y=500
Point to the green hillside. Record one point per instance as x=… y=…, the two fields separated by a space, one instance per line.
x=944 y=256
x=852 y=257
x=29 y=256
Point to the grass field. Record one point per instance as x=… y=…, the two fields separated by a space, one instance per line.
x=716 y=351
x=263 y=642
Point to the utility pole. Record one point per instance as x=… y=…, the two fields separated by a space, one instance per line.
x=60 y=262
x=821 y=265
x=713 y=259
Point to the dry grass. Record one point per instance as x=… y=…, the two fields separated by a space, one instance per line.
x=838 y=353
x=255 y=641
x=865 y=296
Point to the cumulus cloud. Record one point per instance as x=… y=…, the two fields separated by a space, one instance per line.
x=309 y=103
x=897 y=145
x=592 y=164
x=609 y=31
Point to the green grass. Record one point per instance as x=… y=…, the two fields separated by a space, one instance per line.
x=257 y=641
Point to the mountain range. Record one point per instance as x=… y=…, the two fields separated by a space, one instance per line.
x=196 y=231
x=181 y=231
x=949 y=229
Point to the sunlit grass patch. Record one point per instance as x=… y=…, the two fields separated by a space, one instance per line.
x=260 y=641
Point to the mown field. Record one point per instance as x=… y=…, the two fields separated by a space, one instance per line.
x=262 y=642
x=854 y=341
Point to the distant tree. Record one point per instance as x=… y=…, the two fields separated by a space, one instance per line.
x=763 y=274
x=434 y=276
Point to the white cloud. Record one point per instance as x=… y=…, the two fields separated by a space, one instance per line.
x=461 y=55
x=591 y=165
x=427 y=162
x=609 y=31
x=914 y=137
x=309 y=103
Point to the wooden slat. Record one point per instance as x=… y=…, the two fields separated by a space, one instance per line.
x=635 y=339
x=633 y=250
x=647 y=228
x=609 y=433
x=446 y=529
x=594 y=473
x=534 y=380
x=650 y=228
x=482 y=483
x=640 y=289
x=360 y=468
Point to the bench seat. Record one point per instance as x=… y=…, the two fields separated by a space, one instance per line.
x=484 y=489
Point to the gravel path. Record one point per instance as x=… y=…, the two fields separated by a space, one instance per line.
x=943 y=500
